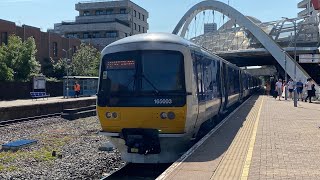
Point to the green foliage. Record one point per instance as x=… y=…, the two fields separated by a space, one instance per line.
x=60 y=68
x=85 y=61
x=6 y=72
x=18 y=59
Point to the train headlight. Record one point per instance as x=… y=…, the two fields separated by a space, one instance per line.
x=108 y=115
x=163 y=115
x=114 y=115
x=171 y=115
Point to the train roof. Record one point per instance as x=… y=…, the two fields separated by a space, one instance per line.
x=159 y=37
x=166 y=38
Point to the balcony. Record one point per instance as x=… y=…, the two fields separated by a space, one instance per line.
x=303 y=4
x=92 y=5
x=303 y=13
x=102 y=18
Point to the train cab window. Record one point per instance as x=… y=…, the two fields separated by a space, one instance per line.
x=163 y=70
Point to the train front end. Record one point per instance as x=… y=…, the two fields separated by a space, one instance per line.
x=142 y=103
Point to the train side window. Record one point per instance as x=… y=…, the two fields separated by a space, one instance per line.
x=198 y=69
x=209 y=75
x=231 y=80
x=236 y=80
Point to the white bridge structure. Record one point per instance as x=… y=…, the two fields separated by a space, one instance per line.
x=243 y=35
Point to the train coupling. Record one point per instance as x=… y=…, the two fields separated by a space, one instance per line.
x=141 y=141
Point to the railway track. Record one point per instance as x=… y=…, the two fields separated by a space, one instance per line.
x=70 y=114
x=14 y=121
x=138 y=172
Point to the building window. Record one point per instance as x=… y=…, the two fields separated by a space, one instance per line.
x=139 y=15
x=86 y=13
x=109 y=11
x=55 y=49
x=143 y=29
x=139 y=28
x=122 y=11
x=74 y=49
x=99 y=12
x=142 y=17
x=72 y=35
x=135 y=13
x=85 y=35
x=112 y=34
x=96 y=35
x=126 y=34
x=135 y=26
x=4 y=38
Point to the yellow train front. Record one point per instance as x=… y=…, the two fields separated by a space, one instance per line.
x=142 y=98
x=158 y=91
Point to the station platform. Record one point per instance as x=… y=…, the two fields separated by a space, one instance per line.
x=28 y=108
x=262 y=139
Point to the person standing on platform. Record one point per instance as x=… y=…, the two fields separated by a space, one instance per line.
x=76 y=88
x=279 y=88
x=308 y=86
x=268 y=88
x=299 y=89
x=290 y=87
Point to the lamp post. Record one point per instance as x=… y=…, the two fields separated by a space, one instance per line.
x=67 y=60
x=285 y=76
x=294 y=21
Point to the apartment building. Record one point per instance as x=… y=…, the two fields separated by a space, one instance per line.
x=103 y=22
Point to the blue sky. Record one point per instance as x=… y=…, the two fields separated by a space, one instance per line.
x=164 y=14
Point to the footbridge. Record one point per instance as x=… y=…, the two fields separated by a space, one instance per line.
x=246 y=41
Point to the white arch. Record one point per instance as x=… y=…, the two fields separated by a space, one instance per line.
x=275 y=50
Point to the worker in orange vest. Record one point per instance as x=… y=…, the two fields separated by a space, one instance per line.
x=76 y=88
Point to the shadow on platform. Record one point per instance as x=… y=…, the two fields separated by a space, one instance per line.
x=213 y=148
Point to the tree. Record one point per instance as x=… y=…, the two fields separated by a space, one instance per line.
x=85 y=62
x=60 y=68
x=27 y=66
x=6 y=72
x=18 y=59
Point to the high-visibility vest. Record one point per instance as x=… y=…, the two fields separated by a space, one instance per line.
x=77 y=87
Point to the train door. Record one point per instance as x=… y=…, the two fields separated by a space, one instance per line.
x=198 y=70
x=241 y=86
x=224 y=87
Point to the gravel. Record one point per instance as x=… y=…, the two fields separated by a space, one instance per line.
x=75 y=144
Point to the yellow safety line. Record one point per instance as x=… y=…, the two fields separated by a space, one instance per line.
x=246 y=167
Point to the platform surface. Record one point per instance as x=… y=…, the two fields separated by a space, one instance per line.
x=264 y=139
x=25 y=102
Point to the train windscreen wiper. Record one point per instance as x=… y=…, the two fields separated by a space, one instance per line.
x=152 y=85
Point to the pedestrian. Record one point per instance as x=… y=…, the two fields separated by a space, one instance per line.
x=308 y=86
x=76 y=88
x=290 y=87
x=268 y=88
x=279 y=88
x=300 y=89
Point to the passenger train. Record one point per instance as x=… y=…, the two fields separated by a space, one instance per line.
x=158 y=92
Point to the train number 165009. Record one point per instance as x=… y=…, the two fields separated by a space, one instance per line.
x=163 y=101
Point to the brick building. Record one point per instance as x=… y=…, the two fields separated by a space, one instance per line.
x=49 y=45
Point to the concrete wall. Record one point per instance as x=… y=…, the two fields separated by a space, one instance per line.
x=21 y=90
x=8 y=113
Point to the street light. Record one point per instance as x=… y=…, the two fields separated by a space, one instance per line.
x=66 y=51
x=285 y=71
x=294 y=21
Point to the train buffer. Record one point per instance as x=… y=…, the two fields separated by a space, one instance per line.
x=264 y=138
